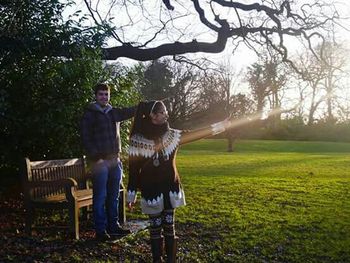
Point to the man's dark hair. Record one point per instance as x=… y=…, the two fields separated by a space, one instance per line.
x=101 y=86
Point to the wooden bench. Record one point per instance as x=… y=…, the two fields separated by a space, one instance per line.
x=60 y=184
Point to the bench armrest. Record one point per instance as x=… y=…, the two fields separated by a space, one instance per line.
x=70 y=191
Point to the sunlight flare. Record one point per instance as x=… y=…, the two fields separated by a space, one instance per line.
x=236 y=123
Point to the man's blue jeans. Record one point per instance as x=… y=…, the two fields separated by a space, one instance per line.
x=106 y=178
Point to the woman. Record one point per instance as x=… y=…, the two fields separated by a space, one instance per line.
x=152 y=170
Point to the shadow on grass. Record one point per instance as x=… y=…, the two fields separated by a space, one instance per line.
x=51 y=241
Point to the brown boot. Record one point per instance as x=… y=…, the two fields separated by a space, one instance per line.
x=171 y=248
x=157 y=250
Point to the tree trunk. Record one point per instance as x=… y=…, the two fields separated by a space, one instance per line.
x=230 y=141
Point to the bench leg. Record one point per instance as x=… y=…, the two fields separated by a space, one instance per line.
x=121 y=207
x=74 y=219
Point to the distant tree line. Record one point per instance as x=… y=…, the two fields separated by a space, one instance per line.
x=196 y=97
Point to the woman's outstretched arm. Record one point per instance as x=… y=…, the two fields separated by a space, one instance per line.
x=216 y=128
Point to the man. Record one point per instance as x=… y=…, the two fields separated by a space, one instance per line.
x=101 y=140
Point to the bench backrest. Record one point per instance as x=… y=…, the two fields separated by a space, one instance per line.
x=50 y=170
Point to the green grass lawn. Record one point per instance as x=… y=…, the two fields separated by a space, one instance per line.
x=268 y=201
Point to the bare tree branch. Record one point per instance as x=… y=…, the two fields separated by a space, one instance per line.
x=172 y=49
x=266 y=23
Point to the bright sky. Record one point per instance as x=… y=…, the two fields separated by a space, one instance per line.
x=241 y=58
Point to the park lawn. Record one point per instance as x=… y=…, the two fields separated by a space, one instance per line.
x=268 y=201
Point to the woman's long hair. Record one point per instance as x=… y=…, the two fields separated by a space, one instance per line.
x=142 y=121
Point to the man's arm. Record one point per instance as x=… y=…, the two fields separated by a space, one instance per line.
x=122 y=114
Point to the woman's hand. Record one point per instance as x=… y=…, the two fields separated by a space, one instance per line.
x=227 y=123
x=221 y=126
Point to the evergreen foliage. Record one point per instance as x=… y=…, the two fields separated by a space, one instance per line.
x=43 y=95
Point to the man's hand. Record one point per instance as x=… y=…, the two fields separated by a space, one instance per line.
x=99 y=161
x=131 y=206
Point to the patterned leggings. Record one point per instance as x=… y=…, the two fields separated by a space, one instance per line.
x=164 y=220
